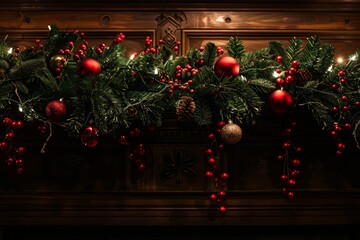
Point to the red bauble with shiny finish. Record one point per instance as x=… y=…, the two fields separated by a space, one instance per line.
x=227 y=66
x=280 y=101
x=90 y=136
x=56 y=111
x=88 y=66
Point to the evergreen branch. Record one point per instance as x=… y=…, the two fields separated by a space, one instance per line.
x=277 y=49
x=209 y=54
x=236 y=49
x=293 y=52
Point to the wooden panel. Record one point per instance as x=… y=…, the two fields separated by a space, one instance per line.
x=344 y=44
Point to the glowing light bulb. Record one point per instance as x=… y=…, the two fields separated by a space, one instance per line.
x=132 y=56
x=340 y=60
x=10 y=50
x=353 y=58
x=330 y=68
x=156 y=71
x=49 y=27
x=20 y=108
x=275 y=74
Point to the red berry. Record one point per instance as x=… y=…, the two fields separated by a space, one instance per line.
x=334 y=87
x=284 y=177
x=221 y=124
x=286 y=145
x=213 y=197
x=222 y=194
x=296 y=162
x=70 y=44
x=278 y=71
x=299 y=149
x=280 y=82
x=292 y=71
x=284 y=190
x=290 y=195
x=19 y=162
x=343 y=81
x=9 y=135
x=3 y=145
x=191 y=91
x=21 y=150
x=289 y=79
x=221 y=147
x=141 y=166
x=280 y=157
x=176 y=48
x=344 y=98
x=61 y=51
x=279 y=59
x=76 y=57
x=222 y=209
x=334 y=134
x=357 y=104
x=224 y=176
x=341 y=73
x=211 y=161
x=347 y=126
x=19 y=171
x=7 y=122
x=346 y=108
x=201 y=49
x=208 y=152
x=295 y=64
x=341 y=146
x=335 y=109
x=37 y=41
x=211 y=136
x=208 y=174
x=291 y=182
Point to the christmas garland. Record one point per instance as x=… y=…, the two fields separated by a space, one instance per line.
x=92 y=91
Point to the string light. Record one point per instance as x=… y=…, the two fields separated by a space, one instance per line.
x=275 y=74
x=132 y=56
x=49 y=27
x=330 y=68
x=340 y=60
x=156 y=71
x=353 y=58
x=10 y=50
x=20 y=108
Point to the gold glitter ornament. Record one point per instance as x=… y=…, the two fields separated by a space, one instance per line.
x=231 y=133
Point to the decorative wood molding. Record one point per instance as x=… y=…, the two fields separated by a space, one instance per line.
x=178 y=209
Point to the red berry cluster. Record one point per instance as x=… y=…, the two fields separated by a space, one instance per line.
x=13 y=154
x=219 y=51
x=183 y=79
x=290 y=163
x=80 y=53
x=289 y=74
x=119 y=38
x=100 y=50
x=340 y=112
x=177 y=46
x=137 y=153
x=214 y=171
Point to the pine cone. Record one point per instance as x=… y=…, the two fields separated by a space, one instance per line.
x=185 y=108
x=2 y=73
x=304 y=75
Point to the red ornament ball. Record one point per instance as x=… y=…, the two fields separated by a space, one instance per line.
x=280 y=101
x=227 y=66
x=89 y=66
x=89 y=137
x=56 y=111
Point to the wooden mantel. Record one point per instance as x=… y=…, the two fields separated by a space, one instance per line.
x=70 y=186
